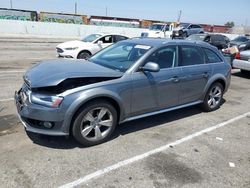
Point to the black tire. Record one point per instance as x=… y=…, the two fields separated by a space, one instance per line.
x=84 y=55
x=184 y=35
x=207 y=103
x=81 y=123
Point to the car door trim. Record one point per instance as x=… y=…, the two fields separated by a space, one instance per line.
x=161 y=111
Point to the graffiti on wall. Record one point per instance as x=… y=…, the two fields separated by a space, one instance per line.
x=18 y=15
x=62 y=18
x=114 y=23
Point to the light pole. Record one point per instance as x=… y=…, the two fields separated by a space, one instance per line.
x=75 y=7
x=11 y=4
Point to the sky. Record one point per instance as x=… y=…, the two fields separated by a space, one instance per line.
x=194 y=11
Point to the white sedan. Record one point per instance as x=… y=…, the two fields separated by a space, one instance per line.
x=85 y=48
x=242 y=61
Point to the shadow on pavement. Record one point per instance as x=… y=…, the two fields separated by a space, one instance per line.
x=61 y=142
x=242 y=74
x=122 y=129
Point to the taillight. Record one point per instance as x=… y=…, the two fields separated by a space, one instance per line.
x=237 y=55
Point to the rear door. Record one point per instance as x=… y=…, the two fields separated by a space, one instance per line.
x=195 y=73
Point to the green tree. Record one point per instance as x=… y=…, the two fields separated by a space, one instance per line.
x=229 y=24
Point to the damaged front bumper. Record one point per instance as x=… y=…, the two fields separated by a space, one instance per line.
x=38 y=119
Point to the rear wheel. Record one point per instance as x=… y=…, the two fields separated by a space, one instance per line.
x=84 y=55
x=94 y=123
x=213 y=97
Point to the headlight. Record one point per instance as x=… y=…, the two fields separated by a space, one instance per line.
x=48 y=101
x=72 y=48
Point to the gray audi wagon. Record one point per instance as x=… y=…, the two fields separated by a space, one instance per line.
x=129 y=80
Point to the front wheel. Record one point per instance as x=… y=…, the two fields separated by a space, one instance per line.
x=84 y=55
x=185 y=35
x=94 y=123
x=213 y=97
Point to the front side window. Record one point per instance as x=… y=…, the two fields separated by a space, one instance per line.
x=190 y=55
x=212 y=56
x=106 y=39
x=120 y=56
x=164 y=57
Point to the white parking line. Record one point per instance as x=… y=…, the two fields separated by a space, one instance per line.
x=120 y=164
x=13 y=71
x=4 y=100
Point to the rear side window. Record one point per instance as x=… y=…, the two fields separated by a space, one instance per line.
x=212 y=57
x=217 y=38
x=191 y=55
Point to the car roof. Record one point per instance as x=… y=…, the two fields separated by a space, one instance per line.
x=158 y=42
x=104 y=34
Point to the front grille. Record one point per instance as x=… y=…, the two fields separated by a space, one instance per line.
x=59 y=50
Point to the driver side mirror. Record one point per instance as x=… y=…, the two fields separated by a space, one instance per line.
x=150 y=67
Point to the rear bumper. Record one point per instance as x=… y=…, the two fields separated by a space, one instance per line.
x=241 y=64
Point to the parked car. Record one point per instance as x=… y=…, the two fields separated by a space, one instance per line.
x=88 y=46
x=217 y=40
x=129 y=80
x=158 y=30
x=184 y=30
x=244 y=46
x=239 y=40
x=242 y=61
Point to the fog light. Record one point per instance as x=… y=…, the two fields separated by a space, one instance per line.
x=47 y=124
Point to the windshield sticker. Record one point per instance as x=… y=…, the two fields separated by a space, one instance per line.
x=142 y=47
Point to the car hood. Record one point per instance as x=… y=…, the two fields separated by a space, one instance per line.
x=72 y=44
x=53 y=72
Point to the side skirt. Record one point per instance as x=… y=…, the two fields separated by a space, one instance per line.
x=161 y=111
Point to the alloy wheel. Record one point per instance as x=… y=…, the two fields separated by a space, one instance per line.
x=96 y=124
x=214 y=97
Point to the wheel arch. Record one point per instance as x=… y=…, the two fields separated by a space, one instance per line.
x=218 y=79
x=85 y=50
x=80 y=104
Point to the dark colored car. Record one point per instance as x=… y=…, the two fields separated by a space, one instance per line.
x=239 y=40
x=244 y=46
x=129 y=80
x=217 y=40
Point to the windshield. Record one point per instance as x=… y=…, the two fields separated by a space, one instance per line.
x=196 y=37
x=240 y=39
x=184 y=25
x=120 y=56
x=156 y=27
x=91 y=38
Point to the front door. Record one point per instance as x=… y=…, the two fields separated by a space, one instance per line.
x=154 y=91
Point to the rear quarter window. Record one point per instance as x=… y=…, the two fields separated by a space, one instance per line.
x=212 y=57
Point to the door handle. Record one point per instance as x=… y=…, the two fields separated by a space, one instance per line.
x=205 y=74
x=175 y=79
